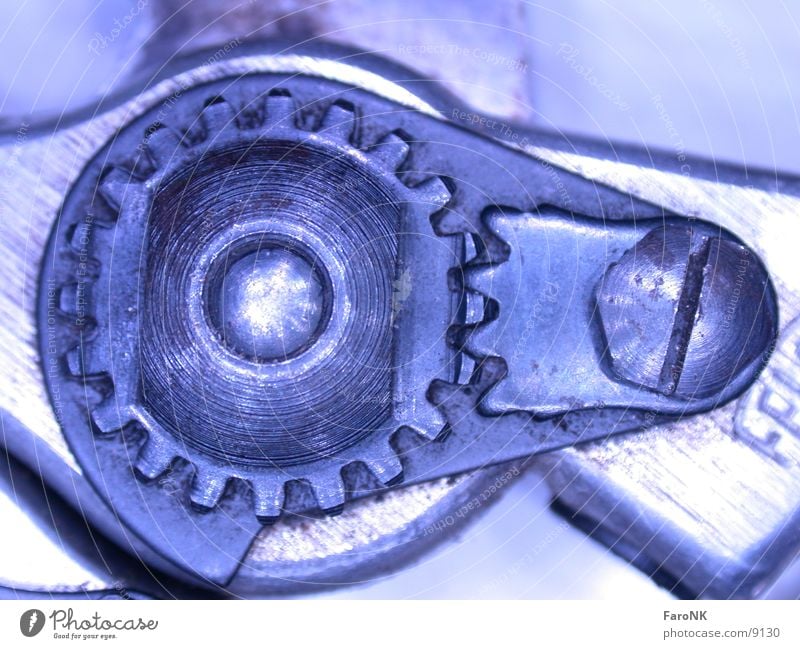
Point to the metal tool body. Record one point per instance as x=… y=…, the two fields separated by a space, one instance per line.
x=481 y=215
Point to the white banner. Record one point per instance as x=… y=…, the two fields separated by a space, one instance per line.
x=400 y=624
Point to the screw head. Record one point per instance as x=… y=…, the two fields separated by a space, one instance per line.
x=683 y=313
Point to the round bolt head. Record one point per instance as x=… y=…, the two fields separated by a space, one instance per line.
x=684 y=313
x=270 y=305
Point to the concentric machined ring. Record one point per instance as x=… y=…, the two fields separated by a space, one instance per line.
x=269 y=413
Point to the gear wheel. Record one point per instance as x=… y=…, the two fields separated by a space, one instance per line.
x=259 y=297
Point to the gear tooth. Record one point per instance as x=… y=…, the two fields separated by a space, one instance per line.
x=111 y=415
x=467 y=369
x=206 y=490
x=82 y=362
x=329 y=492
x=281 y=109
x=141 y=166
x=115 y=186
x=251 y=114
x=391 y=152
x=470 y=250
x=481 y=342
x=74 y=360
x=163 y=145
x=339 y=122
x=432 y=192
x=268 y=500
x=475 y=308
x=480 y=278
x=68 y=299
x=387 y=468
x=154 y=458
x=80 y=237
x=430 y=431
x=218 y=115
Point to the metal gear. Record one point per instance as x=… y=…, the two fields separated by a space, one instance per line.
x=261 y=280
